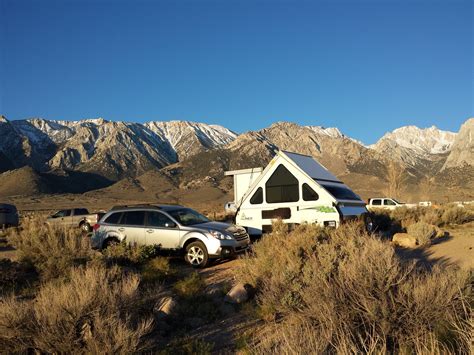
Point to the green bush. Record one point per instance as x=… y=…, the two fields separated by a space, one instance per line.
x=343 y=291
x=130 y=254
x=192 y=285
x=157 y=269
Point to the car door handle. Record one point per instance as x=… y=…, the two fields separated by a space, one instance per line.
x=121 y=229
x=149 y=231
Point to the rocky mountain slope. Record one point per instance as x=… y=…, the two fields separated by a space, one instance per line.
x=164 y=158
x=422 y=151
x=462 y=150
x=110 y=149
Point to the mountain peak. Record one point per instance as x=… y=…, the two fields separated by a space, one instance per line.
x=3 y=118
x=430 y=140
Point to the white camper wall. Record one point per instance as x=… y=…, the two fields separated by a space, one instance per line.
x=243 y=179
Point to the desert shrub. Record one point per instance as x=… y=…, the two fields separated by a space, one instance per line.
x=52 y=250
x=407 y=216
x=433 y=216
x=90 y=312
x=190 y=286
x=130 y=254
x=343 y=291
x=456 y=215
x=423 y=232
x=15 y=276
x=195 y=307
x=157 y=269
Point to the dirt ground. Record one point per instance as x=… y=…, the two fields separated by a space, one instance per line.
x=455 y=249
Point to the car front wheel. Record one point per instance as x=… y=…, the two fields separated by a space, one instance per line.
x=196 y=254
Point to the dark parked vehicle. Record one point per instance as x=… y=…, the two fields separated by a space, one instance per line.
x=8 y=216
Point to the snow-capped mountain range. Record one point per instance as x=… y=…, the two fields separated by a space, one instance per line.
x=116 y=150
x=421 y=140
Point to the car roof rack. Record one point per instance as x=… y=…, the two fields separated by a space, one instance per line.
x=144 y=205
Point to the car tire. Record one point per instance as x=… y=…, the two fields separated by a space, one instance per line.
x=369 y=224
x=196 y=254
x=86 y=227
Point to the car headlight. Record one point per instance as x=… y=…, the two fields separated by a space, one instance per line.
x=220 y=235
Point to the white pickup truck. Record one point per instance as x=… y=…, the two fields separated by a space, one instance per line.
x=387 y=203
x=75 y=217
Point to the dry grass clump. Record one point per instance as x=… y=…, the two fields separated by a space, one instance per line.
x=423 y=232
x=91 y=312
x=343 y=291
x=52 y=250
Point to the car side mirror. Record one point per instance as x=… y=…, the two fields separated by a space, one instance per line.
x=170 y=225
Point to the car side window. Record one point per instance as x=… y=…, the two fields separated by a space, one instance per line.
x=114 y=218
x=376 y=202
x=157 y=219
x=388 y=203
x=133 y=218
x=62 y=213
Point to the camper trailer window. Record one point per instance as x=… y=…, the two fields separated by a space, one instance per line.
x=282 y=186
x=341 y=193
x=309 y=194
x=257 y=197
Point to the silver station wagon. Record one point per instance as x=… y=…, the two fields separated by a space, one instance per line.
x=171 y=227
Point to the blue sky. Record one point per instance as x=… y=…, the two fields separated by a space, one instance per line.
x=366 y=67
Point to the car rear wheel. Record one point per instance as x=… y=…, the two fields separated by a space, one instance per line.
x=196 y=254
x=86 y=227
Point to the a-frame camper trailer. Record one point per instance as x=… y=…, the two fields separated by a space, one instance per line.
x=297 y=189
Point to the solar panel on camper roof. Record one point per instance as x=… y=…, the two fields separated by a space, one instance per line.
x=311 y=167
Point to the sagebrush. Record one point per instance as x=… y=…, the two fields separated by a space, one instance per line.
x=51 y=249
x=93 y=311
x=343 y=291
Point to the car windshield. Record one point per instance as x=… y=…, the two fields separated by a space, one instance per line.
x=188 y=217
x=341 y=192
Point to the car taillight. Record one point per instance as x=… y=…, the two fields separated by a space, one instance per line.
x=96 y=226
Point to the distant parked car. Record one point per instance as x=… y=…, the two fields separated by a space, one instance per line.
x=171 y=227
x=76 y=217
x=8 y=216
x=387 y=203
